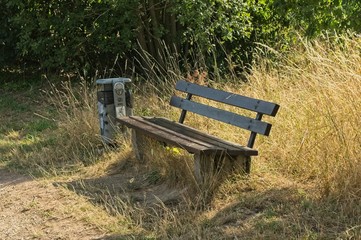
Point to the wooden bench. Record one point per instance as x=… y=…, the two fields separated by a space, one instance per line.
x=205 y=147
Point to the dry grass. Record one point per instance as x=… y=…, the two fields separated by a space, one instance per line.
x=315 y=139
x=73 y=138
x=316 y=136
x=304 y=185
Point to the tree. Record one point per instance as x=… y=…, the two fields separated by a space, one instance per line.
x=86 y=35
x=8 y=36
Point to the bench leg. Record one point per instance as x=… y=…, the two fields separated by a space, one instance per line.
x=203 y=172
x=210 y=168
x=241 y=164
x=139 y=146
x=248 y=165
x=199 y=167
x=209 y=171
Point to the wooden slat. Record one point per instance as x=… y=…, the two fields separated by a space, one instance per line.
x=222 y=115
x=233 y=148
x=169 y=130
x=229 y=98
x=147 y=127
x=161 y=135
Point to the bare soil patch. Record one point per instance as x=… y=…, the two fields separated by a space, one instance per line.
x=130 y=184
x=35 y=209
x=47 y=209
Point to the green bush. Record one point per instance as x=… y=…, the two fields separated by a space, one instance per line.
x=89 y=35
x=70 y=35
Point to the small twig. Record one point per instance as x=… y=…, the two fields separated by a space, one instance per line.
x=39 y=115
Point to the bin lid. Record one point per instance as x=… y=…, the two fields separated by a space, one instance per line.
x=112 y=80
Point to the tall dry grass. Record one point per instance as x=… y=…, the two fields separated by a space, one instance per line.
x=316 y=135
x=74 y=140
x=78 y=124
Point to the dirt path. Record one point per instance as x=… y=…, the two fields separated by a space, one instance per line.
x=34 y=209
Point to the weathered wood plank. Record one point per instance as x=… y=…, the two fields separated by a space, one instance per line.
x=183 y=136
x=166 y=135
x=232 y=148
x=222 y=115
x=229 y=98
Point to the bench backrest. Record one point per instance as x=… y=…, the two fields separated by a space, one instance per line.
x=255 y=125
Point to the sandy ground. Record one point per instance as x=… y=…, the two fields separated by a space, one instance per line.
x=42 y=209
x=34 y=209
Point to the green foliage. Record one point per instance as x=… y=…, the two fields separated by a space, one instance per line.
x=89 y=35
x=207 y=24
x=40 y=125
x=9 y=102
x=72 y=35
x=314 y=16
x=8 y=35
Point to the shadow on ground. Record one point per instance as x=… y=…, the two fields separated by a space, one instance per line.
x=262 y=211
x=9 y=179
x=128 y=183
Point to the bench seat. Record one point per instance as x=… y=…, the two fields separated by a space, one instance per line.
x=183 y=136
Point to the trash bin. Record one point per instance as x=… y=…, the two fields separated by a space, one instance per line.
x=114 y=100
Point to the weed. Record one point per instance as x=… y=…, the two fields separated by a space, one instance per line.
x=40 y=125
x=10 y=103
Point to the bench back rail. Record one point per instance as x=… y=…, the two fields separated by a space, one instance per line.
x=255 y=125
